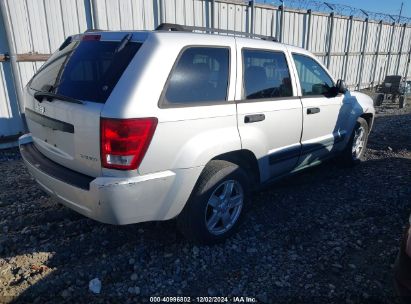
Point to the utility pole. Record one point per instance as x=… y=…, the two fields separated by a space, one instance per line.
x=399 y=16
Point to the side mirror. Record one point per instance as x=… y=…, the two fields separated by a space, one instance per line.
x=341 y=87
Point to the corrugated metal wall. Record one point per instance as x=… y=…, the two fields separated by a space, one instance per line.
x=360 y=51
x=10 y=119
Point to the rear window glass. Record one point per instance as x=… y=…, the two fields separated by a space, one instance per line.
x=200 y=75
x=86 y=70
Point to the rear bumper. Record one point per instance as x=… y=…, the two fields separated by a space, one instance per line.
x=120 y=201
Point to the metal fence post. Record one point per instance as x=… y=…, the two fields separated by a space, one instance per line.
x=250 y=17
x=364 y=47
x=212 y=13
x=160 y=11
x=15 y=124
x=408 y=62
x=347 y=51
x=18 y=85
x=307 y=42
x=400 y=52
x=282 y=23
x=390 y=48
x=377 y=53
x=90 y=14
x=273 y=24
x=330 y=39
x=251 y=5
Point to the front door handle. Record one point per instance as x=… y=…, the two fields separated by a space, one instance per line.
x=254 y=118
x=313 y=110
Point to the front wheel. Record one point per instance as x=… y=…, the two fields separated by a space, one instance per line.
x=214 y=209
x=355 y=150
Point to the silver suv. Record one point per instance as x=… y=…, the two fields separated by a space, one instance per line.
x=128 y=127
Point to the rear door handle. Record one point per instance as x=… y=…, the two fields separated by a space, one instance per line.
x=313 y=110
x=254 y=118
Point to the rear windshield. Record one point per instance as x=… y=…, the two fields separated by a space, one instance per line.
x=86 y=70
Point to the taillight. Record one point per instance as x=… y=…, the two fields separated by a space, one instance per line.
x=91 y=38
x=124 y=142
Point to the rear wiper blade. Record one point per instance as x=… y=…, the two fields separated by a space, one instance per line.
x=50 y=96
x=126 y=39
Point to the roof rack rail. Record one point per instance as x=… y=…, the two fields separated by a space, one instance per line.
x=187 y=28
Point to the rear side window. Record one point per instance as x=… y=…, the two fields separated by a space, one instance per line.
x=266 y=75
x=200 y=75
x=86 y=70
x=314 y=80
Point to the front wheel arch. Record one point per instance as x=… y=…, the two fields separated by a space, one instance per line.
x=347 y=154
x=369 y=118
x=246 y=160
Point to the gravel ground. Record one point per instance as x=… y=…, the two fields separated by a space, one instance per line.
x=327 y=235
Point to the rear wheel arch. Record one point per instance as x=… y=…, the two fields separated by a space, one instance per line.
x=196 y=221
x=246 y=160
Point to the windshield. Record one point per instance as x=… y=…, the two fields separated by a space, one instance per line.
x=85 y=70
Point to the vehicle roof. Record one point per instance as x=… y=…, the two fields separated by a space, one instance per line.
x=183 y=37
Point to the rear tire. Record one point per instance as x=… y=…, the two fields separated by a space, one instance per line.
x=354 y=152
x=213 y=211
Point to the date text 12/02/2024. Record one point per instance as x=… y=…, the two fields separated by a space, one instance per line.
x=182 y=299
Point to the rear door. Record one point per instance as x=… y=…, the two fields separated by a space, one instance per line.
x=322 y=115
x=86 y=70
x=269 y=111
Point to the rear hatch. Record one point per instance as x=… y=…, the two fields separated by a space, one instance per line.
x=66 y=96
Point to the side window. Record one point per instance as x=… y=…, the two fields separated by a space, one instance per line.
x=314 y=79
x=200 y=75
x=266 y=75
